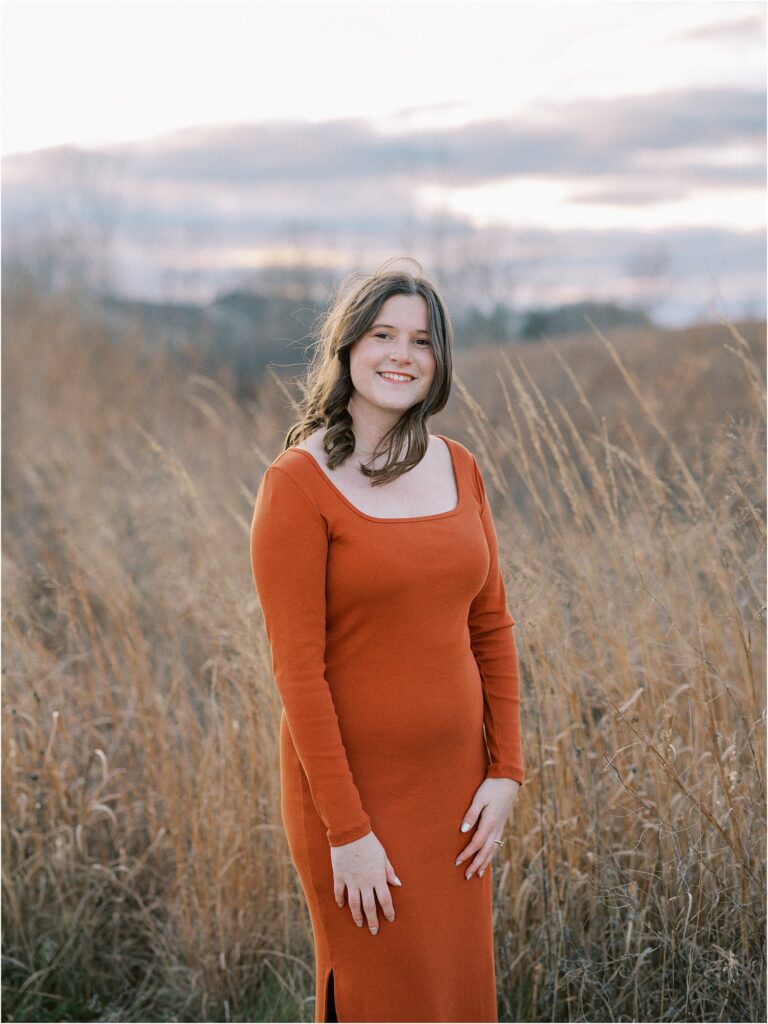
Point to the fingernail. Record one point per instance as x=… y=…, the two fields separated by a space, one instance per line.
x=397 y=881
x=480 y=872
x=458 y=861
x=359 y=924
x=374 y=930
x=466 y=827
x=468 y=875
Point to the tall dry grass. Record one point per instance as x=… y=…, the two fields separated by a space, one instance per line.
x=145 y=872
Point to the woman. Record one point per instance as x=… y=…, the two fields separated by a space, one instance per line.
x=375 y=559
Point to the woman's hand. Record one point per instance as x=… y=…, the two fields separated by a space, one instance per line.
x=363 y=868
x=492 y=803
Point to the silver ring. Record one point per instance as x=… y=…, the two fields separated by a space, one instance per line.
x=500 y=841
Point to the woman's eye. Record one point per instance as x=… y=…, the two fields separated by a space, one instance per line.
x=422 y=341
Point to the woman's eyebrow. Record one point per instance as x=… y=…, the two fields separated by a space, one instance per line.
x=420 y=330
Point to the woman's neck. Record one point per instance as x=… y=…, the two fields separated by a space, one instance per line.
x=369 y=425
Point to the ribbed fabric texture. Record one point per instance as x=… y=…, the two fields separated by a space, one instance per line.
x=394 y=654
x=289 y=549
x=495 y=650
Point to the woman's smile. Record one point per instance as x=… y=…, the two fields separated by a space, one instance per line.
x=394 y=377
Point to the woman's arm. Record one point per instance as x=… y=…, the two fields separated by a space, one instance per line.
x=289 y=550
x=493 y=644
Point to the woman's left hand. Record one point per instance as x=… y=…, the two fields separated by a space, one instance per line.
x=492 y=804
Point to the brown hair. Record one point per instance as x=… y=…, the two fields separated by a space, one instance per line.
x=328 y=384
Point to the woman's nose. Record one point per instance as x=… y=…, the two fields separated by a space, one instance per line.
x=401 y=351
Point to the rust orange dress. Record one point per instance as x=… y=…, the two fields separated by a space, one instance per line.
x=393 y=652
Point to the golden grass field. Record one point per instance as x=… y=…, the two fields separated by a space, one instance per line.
x=146 y=876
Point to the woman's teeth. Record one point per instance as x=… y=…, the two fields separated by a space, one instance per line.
x=397 y=378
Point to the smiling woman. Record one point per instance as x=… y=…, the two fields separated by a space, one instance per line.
x=393 y=651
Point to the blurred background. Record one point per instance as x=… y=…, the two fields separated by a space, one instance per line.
x=184 y=185
x=215 y=165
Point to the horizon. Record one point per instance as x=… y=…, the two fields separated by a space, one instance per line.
x=601 y=175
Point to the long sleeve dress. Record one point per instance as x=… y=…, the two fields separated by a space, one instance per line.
x=394 y=655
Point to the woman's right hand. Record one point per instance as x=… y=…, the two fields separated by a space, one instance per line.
x=363 y=869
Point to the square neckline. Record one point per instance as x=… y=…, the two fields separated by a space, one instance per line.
x=395 y=519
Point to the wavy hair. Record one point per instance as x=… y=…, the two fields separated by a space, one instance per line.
x=328 y=384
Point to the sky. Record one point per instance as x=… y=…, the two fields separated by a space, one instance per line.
x=552 y=126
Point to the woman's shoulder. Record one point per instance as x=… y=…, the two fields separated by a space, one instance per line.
x=469 y=466
x=464 y=456
x=297 y=460
x=463 y=452
x=294 y=462
x=292 y=471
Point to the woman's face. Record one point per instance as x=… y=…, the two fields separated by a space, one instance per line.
x=398 y=343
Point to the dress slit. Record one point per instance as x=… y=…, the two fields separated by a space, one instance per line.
x=330 y=1013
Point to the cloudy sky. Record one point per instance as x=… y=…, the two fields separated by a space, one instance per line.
x=590 y=149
